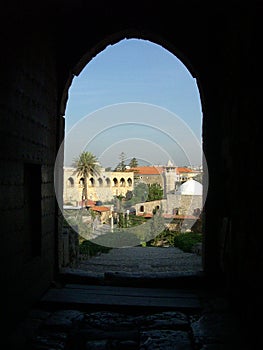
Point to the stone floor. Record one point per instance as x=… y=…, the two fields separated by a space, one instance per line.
x=214 y=327
x=143 y=260
x=61 y=326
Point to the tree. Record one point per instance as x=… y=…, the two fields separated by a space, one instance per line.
x=128 y=195
x=133 y=163
x=155 y=192
x=121 y=166
x=86 y=164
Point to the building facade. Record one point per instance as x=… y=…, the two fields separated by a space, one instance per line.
x=103 y=187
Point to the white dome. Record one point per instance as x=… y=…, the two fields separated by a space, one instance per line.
x=191 y=187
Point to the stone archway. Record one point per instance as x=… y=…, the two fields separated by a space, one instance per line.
x=115 y=38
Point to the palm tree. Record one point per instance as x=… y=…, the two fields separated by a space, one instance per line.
x=86 y=164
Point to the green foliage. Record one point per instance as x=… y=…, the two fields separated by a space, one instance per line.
x=129 y=195
x=140 y=195
x=89 y=248
x=186 y=240
x=135 y=220
x=144 y=193
x=86 y=164
x=121 y=166
x=122 y=220
x=155 y=192
x=133 y=163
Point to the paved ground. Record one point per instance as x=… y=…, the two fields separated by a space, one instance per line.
x=70 y=325
x=213 y=328
x=143 y=260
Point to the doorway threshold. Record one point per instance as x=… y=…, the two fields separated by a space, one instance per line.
x=189 y=279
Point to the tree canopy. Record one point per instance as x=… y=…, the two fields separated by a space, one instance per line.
x=86 y=164
x=155 y=192
x=121 y=165
x=133 y=163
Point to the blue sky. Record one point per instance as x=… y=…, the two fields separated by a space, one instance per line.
x=138 y=98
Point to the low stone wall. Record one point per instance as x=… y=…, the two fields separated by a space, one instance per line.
x=69 y=247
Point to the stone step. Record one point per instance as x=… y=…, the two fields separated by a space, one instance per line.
x=119 y=298
x=168 y=280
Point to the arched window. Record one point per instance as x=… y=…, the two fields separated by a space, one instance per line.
x=108 y=182
x=92 y=182
x=115 y=182
x=100 y=182
x=70 y=182
x=122 y=182
x=129 y=182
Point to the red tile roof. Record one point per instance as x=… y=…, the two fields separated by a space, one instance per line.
x=100 y=208
x=147 y=170
x=184 y=170
x=169 y=216
x=157 y=170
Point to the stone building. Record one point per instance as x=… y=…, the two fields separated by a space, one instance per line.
x=184 y=201
x=148 y=174
x=103 y=187
x=168 y=176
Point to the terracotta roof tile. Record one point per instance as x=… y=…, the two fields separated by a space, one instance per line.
x=184 y=170
x=100 y=208
x=147 y=170
x=88 y=203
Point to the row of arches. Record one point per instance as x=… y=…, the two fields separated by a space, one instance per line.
x=101 y=183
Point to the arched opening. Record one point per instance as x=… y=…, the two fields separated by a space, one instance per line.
x=70 y=182
x=122 y=182
x=142 y=208
x=174 y=170
x=35 y=68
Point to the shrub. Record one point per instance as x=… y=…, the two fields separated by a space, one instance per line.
x=185 y=241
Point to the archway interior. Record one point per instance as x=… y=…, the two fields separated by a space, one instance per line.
x=136 y=108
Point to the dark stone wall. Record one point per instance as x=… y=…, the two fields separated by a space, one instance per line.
x=28 y=150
